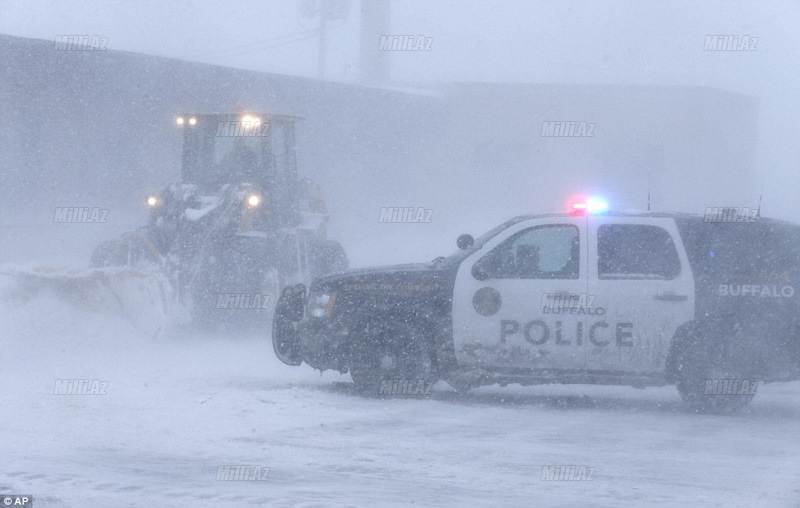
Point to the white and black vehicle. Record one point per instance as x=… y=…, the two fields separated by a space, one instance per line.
x=620 y=298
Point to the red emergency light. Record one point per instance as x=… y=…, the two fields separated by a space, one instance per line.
x=589 y=205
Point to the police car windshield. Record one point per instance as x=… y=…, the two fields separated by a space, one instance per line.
x=458 y=256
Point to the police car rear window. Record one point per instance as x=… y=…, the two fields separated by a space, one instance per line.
x=743 y=252
x=636 y=251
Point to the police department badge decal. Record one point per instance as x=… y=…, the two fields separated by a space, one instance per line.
x=486 y=301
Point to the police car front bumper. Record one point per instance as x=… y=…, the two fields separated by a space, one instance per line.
x=298 y=338
x=321 y=346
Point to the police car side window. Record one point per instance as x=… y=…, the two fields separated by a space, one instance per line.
x=636 y=251
x=543 y=252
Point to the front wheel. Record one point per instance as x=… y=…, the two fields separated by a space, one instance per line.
x=392 y=359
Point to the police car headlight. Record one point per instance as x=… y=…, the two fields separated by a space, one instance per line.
x=321 y=304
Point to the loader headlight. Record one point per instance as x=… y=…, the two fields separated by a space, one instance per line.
x=253 y=201
x=152 y=201
x=321 y=304
x=250 y=119
x=180 y=120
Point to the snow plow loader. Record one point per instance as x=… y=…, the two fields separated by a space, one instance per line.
x=222 y=242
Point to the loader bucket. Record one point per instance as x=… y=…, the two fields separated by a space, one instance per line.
x=140 y=296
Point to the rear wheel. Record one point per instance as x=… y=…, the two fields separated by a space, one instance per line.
x=712 y=383
x=391 y=358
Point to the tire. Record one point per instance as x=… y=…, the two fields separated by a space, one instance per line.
x=288 y=311
x=242 y=266
x=703 y=379
x=205 y=316
x=388 y=354
x=271 y=285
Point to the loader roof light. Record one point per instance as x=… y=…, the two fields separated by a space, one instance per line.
x=250 y=125
x=192 y=121
x=180 y=120
x=152 y=201
x=590 y=205
x=253 y=201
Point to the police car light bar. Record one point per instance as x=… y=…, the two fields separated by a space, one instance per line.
x=591 y=205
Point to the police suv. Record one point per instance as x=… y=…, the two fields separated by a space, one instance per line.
x=591 y=296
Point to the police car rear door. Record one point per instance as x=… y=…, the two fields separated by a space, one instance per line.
x=515 y=300
x=642 y=289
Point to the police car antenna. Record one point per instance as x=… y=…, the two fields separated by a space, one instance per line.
x=760 y=196
x=649 y=171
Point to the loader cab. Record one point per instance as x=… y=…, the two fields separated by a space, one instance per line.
x=242 y=148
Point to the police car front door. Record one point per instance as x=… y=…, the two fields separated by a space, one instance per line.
x=517 y=301
x=642 y=288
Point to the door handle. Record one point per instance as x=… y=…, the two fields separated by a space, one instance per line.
x=670 y=297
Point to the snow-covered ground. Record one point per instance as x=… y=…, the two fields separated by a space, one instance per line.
x=178 y=407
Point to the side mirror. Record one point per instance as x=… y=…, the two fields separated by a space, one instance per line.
x=465 y=241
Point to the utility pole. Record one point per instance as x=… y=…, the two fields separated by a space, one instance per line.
x=321 y=49
x=375 y=22
x=327 y=10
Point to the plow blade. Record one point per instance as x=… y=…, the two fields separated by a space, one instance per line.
x=140 y=296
